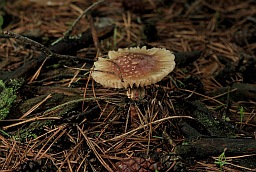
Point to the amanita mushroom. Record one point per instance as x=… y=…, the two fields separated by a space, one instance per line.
x=133 y=68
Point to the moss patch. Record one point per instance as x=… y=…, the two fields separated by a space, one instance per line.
x=7 y=96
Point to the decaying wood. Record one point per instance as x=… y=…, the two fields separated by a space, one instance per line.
x=205 y=147
x=241 y=91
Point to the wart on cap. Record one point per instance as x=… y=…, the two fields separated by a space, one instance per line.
x=133 y=67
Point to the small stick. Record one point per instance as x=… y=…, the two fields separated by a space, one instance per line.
x=39 y=46
x=28 y=41
x=67 y=33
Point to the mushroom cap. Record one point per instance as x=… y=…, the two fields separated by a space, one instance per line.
x=131 y=67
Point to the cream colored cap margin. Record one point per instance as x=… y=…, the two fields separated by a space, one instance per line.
x=103 y=72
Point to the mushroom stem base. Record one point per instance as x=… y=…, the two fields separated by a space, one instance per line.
x=136 y=93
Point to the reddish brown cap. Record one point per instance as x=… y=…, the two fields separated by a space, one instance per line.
x=133 y=67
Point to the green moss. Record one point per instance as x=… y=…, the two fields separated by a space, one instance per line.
x=7 y=96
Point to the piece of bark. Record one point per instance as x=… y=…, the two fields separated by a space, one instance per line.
x=205 y=147
x=207 y=122
x=183 y=59
x=240 y=92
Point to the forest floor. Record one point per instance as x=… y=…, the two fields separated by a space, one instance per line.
x=55 y=117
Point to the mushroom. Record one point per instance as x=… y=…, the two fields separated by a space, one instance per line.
x=133 y=68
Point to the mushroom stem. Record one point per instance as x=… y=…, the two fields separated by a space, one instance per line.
x=136 y=93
